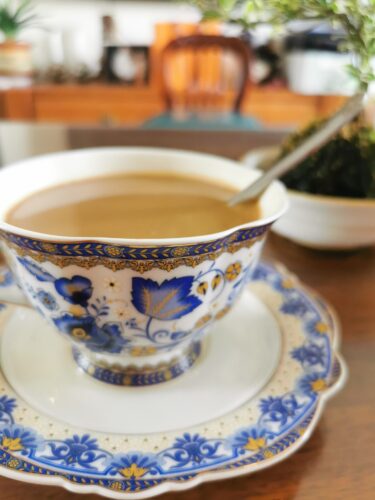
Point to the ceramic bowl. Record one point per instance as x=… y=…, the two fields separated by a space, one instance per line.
x=321 y=222
x=328 y=222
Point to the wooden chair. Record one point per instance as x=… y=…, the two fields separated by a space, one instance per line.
x=204 y=79
x=205 y=74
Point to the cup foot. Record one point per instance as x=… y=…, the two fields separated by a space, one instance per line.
x=134 y=376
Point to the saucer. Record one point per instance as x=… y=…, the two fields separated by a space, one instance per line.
x=251 y=400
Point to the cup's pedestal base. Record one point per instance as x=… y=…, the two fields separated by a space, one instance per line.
x=238 y=358
x=135 y=375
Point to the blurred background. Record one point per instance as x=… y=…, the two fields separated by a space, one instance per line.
x=77 y=67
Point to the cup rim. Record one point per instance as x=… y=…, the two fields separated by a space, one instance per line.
x=139 y=242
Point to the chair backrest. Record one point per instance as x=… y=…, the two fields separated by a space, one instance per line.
x=205 y=74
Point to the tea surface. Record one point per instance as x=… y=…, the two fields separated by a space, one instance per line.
x=132 y=205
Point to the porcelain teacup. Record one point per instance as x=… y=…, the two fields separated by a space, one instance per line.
x=135 y=311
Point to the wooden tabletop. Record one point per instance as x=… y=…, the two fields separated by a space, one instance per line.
x=338 y=462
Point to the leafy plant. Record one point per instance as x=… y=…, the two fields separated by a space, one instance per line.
x=355 y=17
x=345 y=166
x=15 y=15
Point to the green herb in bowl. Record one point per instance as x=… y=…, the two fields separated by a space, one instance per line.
x=344 y=167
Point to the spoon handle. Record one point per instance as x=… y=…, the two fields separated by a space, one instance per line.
x=345 y=114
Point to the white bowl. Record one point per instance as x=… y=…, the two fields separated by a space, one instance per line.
x=322 y=222
x=328 y=222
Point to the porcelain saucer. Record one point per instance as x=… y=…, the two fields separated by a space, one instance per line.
x=253 y=398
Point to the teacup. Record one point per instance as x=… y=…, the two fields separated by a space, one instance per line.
x=94 y=290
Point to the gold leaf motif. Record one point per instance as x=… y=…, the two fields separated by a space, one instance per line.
x=13 y=463
x=133 y=471
x=116 y=485
x=180 y=251
x=113 y=251
x=202 y=288
x=142 y=351
x=49 y=247
x=255 y=444
x=12 y=444
x=80 y=334
x=318 y=385
x=77 y=310
x=203 y=321
x=140 y=266
x=287 y=284
x=233 y=271
x=220 y=314
x=321 y=327
x=216 y=280
x=268 y=454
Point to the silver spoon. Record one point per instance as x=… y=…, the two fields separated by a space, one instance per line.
x=345 y=114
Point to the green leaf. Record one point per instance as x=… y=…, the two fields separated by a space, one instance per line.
x=226 y=5
x=355 y=17
x=15 y=16
x=211 y=14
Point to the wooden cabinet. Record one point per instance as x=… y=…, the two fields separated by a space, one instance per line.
x=114 y=104
x=280 y=107
x=96 y=104
x=17 y=104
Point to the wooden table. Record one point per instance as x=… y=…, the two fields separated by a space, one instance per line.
x=338 y=462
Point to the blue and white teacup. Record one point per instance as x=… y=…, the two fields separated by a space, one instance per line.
x=135 y=311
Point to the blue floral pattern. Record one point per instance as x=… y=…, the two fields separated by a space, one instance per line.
x=47 y=300
x=7 y=405
x=193 y=449
x=294 y=306
x=312 y=384
x=280 y=415
x=16 y=438
x=168 y=301
x=77 y=290
x=251 y=439
x=317 y=328
x=33 y=268
x=310 y=354
x=78 y=451
x=84 y=329
x=83 y=318
x=279 y=409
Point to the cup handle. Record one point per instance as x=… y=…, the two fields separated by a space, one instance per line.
x=10 y=292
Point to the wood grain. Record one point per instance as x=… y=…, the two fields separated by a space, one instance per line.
x=338 y=461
